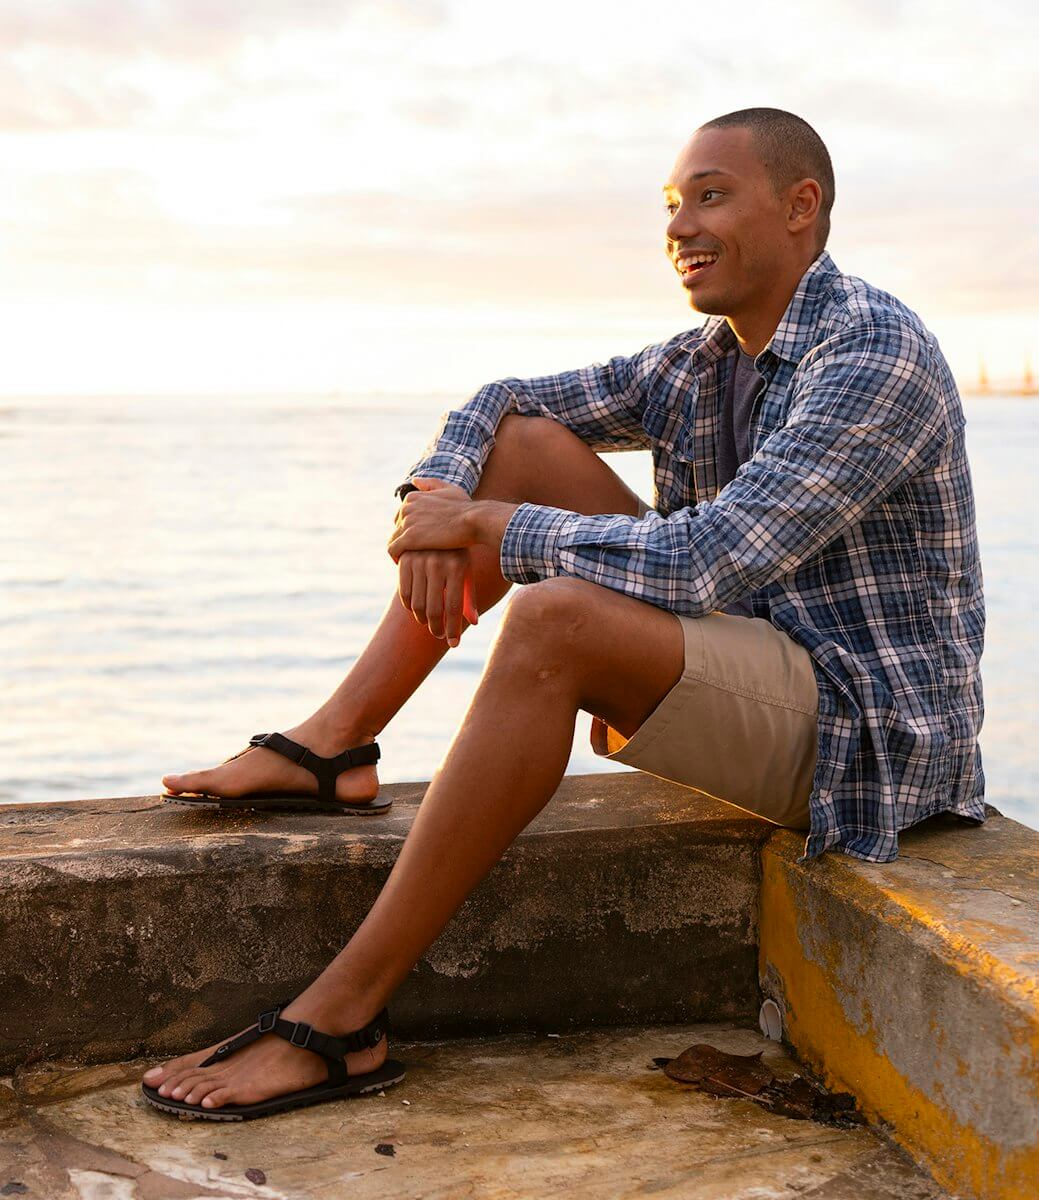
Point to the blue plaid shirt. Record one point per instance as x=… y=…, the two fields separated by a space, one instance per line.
x=851 y=528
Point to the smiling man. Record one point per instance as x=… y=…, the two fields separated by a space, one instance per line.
x=794 y=626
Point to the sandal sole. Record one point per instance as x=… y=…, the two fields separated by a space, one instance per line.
x=388 y=1074
x=274 y=802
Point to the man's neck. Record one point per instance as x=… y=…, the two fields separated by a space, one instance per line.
x=755 y=327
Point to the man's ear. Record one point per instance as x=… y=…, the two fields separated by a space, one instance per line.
x=805 y=200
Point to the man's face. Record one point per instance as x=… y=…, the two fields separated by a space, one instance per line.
x=721 y=203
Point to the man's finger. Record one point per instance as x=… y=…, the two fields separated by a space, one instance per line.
x=400 y=541
x=418 y=590
x=404 y=581
x=453 y=608
x=435 y=602
x=468 y=602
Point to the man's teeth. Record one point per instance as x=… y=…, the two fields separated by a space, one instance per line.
x=687 y=261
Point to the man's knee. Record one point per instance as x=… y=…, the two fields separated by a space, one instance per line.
x=543 y=638
x=552 y=613
x=524 y=440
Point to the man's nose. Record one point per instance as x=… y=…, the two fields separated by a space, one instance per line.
x=682 y=227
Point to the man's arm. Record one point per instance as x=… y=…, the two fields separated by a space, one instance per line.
x=602 y=403
x=867 y=413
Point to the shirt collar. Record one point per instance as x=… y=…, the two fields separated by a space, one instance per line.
x=794 y=334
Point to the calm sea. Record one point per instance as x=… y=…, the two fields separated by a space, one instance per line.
x=180 y=574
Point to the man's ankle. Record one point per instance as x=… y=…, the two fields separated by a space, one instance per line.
x=346 y=729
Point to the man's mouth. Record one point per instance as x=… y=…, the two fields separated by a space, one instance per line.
x=691 y=266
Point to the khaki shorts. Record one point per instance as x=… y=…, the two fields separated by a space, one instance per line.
x=741 y=724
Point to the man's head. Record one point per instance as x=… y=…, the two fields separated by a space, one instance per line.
x=754 y=188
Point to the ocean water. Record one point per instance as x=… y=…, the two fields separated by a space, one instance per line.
x=178 y=574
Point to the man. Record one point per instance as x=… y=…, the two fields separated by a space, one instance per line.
x=795 y=627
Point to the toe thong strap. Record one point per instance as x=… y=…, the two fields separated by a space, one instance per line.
x=325 y=770
x=265 y=1023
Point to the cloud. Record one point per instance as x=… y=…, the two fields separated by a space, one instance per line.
x=104 y=64
x=455 y=154
x=191 y=29
x=30 y=102
x=108 y=230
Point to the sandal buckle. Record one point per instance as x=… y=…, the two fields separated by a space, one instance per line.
x=306 y=1036
x=266 y=1021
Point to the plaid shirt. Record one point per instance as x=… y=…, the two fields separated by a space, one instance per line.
x=851 y=528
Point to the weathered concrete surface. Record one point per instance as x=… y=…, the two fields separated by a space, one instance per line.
x=581 y=1116
x=135 y=927
x=915 y=985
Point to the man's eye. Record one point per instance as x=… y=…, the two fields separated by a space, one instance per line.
x=711 y=192
x=670 y=208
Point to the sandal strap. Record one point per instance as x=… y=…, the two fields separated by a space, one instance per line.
x=325 y=770
x=263 y=1025
x=298 y=1033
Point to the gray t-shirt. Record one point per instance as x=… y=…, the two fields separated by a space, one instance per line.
x=734 y=443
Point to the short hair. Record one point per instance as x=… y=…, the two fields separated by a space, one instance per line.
x=790 y=150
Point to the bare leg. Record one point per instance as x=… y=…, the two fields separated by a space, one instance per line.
x=534 y=459
x=564 y=645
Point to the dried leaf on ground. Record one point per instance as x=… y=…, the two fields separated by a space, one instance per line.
x=806 y=1101
x=718 y=1072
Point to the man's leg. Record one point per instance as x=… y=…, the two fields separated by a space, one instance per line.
x=534 y=459
x=564 y=645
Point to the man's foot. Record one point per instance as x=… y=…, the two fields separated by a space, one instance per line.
x=258 y=769
x=269 y=1067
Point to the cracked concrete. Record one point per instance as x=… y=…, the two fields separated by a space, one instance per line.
x=583 y=1115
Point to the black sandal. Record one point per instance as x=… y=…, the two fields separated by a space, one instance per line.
x=297 y=1033
x=326 y=771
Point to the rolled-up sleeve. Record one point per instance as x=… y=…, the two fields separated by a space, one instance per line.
x=602 y=404
x=866 y=413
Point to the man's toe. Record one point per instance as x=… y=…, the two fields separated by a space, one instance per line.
x=165 y=1071
x=202 y=1088
x=194 y=781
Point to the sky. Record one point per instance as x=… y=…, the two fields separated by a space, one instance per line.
x=351 y=196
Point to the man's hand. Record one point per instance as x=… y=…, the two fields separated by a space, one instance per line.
x=436 y=585
x=442 y=517
x=437 y=517
x=435 y=527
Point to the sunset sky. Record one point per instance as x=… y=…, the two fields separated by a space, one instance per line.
x=204 y=196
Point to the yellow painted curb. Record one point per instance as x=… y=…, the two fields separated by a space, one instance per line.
x=822 y=927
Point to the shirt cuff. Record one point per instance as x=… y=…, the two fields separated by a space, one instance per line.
x=449 y=468
x=530 y=544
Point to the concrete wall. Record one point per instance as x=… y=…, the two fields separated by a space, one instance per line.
x=136 y=927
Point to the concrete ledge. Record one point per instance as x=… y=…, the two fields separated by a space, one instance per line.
x=915 y=985
x=132 y=927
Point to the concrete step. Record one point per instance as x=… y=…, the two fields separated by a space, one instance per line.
x=582 y=1115
x=915 y=985
x=137 y=927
